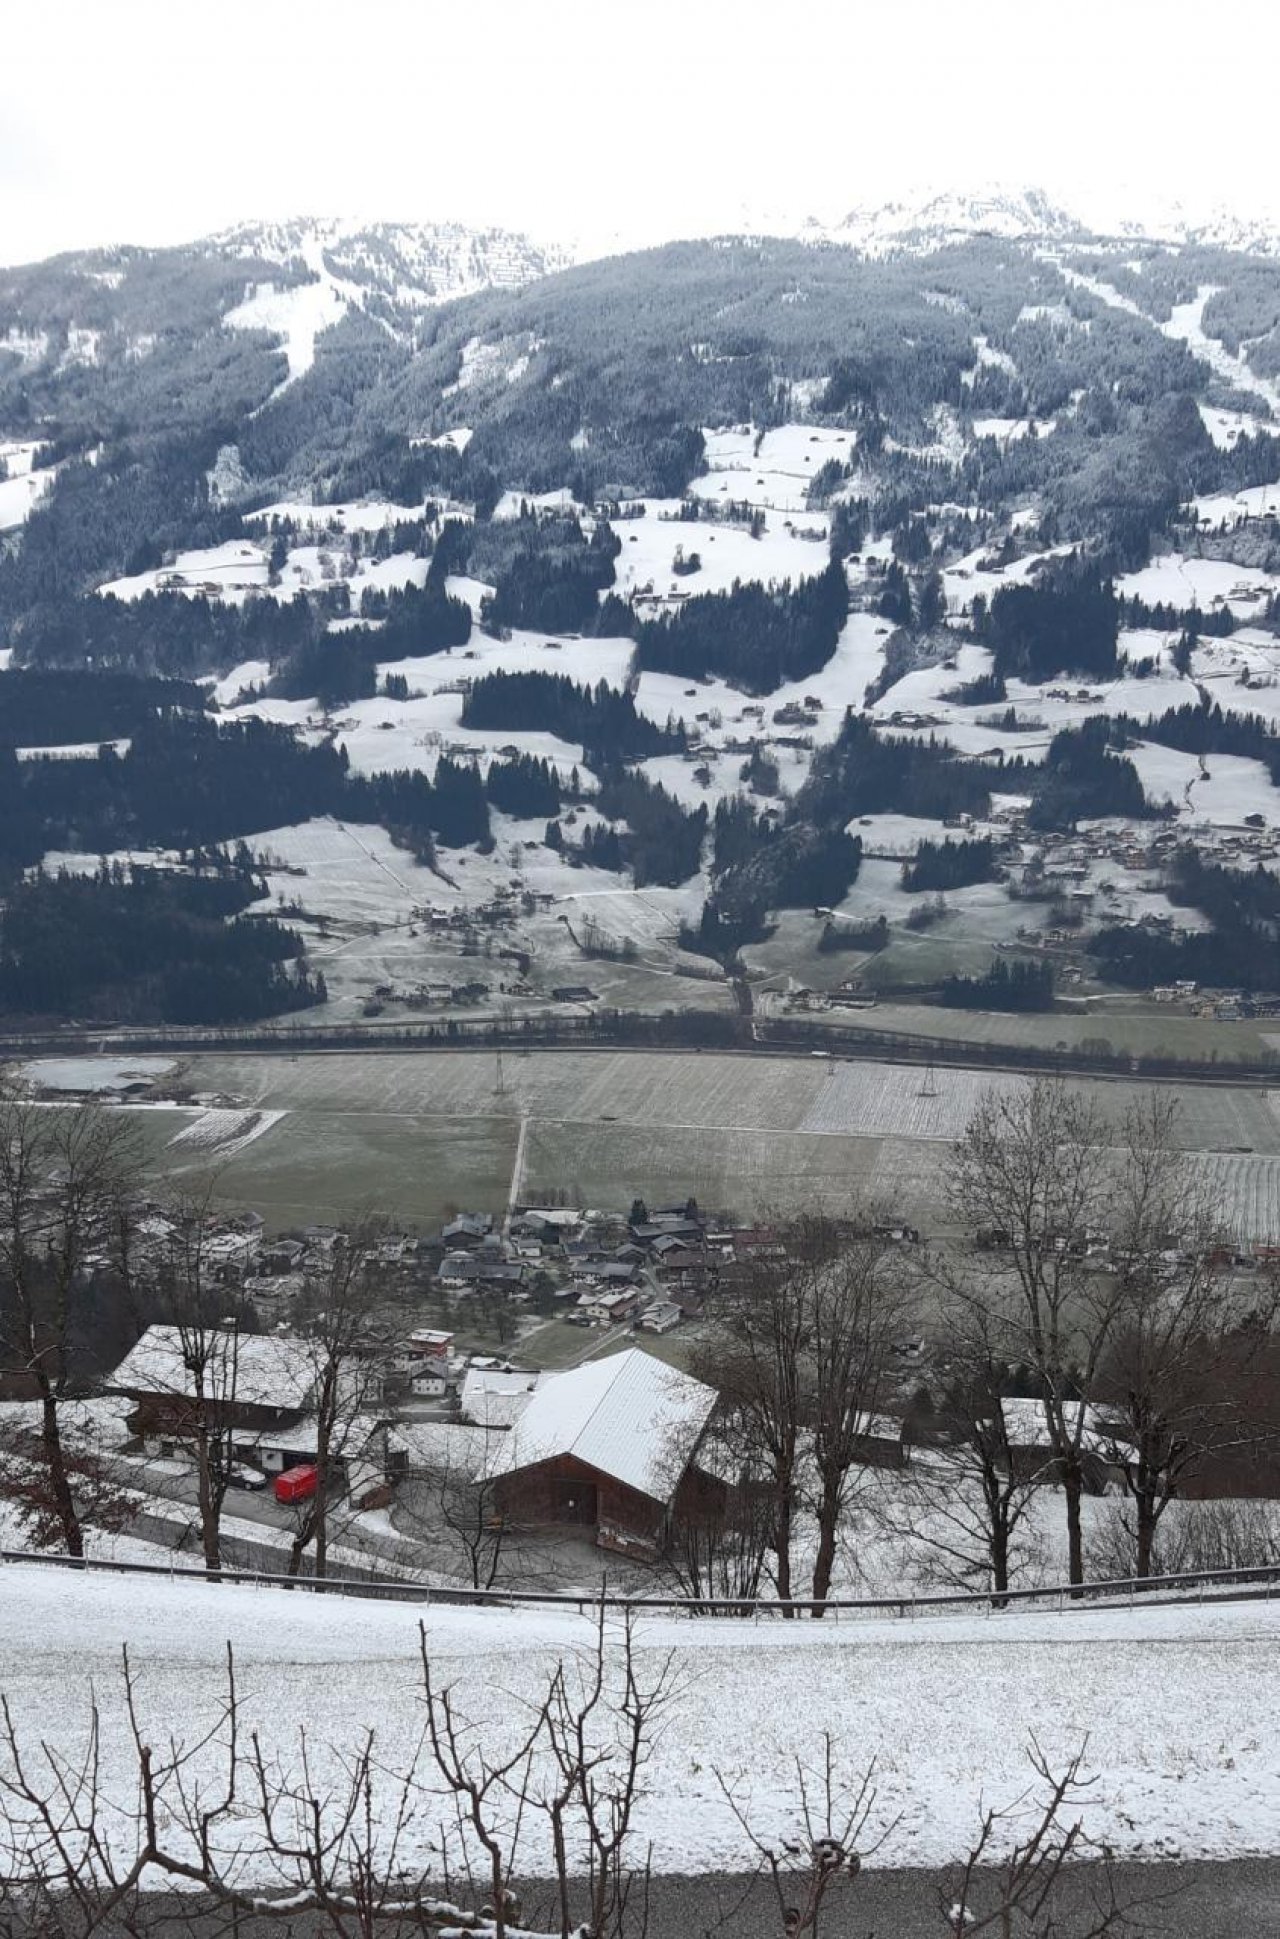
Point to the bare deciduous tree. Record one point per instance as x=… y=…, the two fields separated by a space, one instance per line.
x=348 y=1355
x=1175 y=1383
x=812 y=1869
x=1021 y=1879
x=809 y=1324
x=1107 y=1284
x=222 y=1812
x=1035 y=1887
x=197 y=1402
x=453 y=1503
x=1032 y=1173
x=967 y=1497
x=66 y=1177
x=860 y=1306
x=26 y=1483
x=759 y=1369
x=723 y=1524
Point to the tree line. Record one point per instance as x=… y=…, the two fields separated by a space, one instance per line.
x=756 y=637
x=139 y=945
x=603 y=719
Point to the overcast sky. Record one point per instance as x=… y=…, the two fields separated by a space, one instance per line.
x=159 y=120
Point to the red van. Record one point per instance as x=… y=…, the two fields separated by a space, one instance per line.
x=297 y=1484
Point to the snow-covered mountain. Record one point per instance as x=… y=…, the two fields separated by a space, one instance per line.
x=922 y=220
x=930 y=220
x=390 y=271
x=411 y=264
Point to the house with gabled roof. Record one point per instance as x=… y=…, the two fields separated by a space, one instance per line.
x=609 y=1448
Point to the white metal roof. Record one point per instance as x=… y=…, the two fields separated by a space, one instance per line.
x=1025 y=1425
x=255 y=1369
x=629 y=1415
x=493 y=1398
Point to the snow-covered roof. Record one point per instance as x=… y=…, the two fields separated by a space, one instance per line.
x=254 y=1369
x=1025 y=1424
x=492 y=1398
x=630 y=1416
x=100 y=1421
x=445 y=1447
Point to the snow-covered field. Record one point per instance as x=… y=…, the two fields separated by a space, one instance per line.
x=1236 y=508
x=22 y=483
x=350 y=515
x=977 y=572
x=1176 y=1707
x=1174 y=580
x=1226 y=428
x=645 y=569
x=218 y=1133
x=1221 y=789
x=232 y=572
x=775 y=477
x=103 y=1074
x=381 y=735
x=899 y=1103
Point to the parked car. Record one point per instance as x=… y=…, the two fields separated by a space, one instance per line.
x=241 y=1476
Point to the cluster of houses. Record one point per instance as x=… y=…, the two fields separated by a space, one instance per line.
x=609 y=1449
x=615 y=1450
x=652 y=1272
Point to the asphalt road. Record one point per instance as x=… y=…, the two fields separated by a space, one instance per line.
x=1233 y=1900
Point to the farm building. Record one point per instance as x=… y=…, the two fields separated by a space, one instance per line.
x=425 y=1356
x=247 y=1381
x=610 y=1447
x=1031 y=1453
x=255 y=1393
x=662 y=1317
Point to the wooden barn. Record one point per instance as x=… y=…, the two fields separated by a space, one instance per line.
x=610 y=1448
x=237 y=1382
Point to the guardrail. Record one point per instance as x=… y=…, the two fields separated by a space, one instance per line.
x=1222 y=1584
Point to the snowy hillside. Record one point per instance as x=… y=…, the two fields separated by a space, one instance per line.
x=1187 y=1756
x=394 y=270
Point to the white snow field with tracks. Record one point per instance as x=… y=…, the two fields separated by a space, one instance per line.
x=1175 y=1707
x=23 y=483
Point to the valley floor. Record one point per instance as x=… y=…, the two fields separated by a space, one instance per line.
x=421 y=1133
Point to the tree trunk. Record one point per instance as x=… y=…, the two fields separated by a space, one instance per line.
x=207 y=1503
x=999 y=1558
x=1073 y=1488
x=824 y=1560
x=782 y=1541
x=322 y=1500
x=298 y=1546
x=60 y=1486
x=1145 y=1517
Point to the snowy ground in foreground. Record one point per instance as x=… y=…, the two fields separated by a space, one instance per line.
x=1178 y=1704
